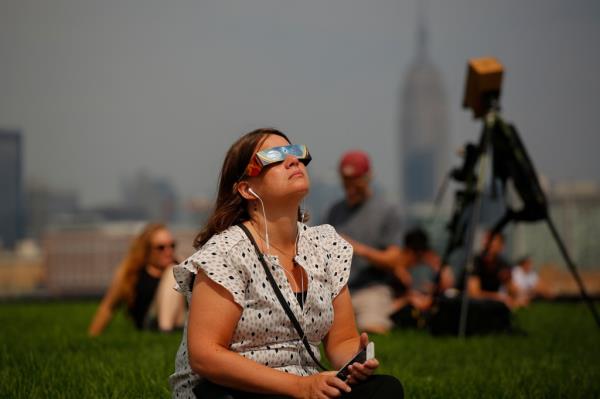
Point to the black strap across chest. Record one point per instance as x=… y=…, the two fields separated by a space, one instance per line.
x=282 y=300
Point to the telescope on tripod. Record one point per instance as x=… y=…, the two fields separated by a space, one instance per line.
x=497 y=159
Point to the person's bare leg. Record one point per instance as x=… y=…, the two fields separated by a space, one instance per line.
x=373 y=307
x=170 y=304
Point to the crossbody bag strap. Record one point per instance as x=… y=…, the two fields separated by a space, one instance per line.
x=281 y=299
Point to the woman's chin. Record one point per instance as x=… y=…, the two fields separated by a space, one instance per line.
x=304 y=190
x=299 y=193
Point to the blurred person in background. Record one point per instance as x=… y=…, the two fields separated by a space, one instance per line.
x=144 y=284
x=420 y=275
x=527 y=282
x=373 y=228
x=492 y=274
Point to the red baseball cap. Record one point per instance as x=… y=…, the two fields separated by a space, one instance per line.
x=355 y=164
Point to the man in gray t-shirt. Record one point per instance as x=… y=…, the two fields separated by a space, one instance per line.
x=373 y=228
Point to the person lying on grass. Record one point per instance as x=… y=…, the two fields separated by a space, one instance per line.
x=144 y=283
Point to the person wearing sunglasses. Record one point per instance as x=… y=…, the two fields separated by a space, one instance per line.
x=264 y=289
x=144 y=284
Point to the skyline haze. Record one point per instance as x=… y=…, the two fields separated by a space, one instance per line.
x=102 y=90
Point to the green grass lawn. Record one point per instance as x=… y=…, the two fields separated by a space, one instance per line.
x=45 y=352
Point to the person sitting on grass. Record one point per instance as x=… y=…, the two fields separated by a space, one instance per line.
x=491 y=277
x=144 y=283
x=528 y=283
x=259 y=267
x=420 y=275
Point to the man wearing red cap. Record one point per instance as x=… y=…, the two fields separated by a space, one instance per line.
x=373 y=228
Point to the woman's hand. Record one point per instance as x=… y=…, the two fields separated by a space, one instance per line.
x=322 y=386
x=361 y=371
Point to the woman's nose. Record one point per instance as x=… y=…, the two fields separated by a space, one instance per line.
x=290 y=160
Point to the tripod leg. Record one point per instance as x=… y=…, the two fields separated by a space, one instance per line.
x=484 y=163
x=464 y=306
x=440 y=195
x=573 y=270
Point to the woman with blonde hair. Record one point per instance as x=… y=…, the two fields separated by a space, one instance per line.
x=144 y=283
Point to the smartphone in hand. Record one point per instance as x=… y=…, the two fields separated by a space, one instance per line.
x=361 y=357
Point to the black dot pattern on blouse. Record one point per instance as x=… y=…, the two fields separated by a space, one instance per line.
x=264 y=333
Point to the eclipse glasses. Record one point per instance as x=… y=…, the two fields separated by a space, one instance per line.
x=274 y=155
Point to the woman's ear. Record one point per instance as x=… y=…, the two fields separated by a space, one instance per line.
x=243 y=188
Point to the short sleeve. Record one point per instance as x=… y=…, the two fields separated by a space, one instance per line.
x=339 y=254
x=220 y=265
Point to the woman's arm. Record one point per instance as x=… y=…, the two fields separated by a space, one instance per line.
x=107 y=306
x=342 y=341
x=213 y=317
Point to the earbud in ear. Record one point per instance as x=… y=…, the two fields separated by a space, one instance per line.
x=252 y=192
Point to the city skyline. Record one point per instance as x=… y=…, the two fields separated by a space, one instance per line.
x=103 y=90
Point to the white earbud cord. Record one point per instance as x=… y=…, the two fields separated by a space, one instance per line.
x=302 y=324
x=262 y=205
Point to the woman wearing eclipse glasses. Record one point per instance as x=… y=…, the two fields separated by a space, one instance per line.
x=144 y=283
x=265 y=290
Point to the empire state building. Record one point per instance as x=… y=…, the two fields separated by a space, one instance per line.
x=423 y=126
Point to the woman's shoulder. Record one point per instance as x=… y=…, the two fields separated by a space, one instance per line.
x=323 y=233
x=219 y=246
x=209 y=257
x=222 y=242
x=338 y=254
x=320 y=229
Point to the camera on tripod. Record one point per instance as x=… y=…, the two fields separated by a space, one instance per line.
x=484 y=82
x=500 y=148
x=482 y=95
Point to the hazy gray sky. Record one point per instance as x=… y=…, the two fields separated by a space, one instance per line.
x=102 y=89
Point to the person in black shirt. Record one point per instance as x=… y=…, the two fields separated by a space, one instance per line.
x=144 y=283
x=491 y=277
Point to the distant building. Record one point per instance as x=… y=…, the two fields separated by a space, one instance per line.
x=11 y=188
x=423 y=126
x=45 y=207
x=154 y=197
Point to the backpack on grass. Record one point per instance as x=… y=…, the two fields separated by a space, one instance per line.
x=484 y=316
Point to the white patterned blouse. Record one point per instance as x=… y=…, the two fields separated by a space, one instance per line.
x=264 y=332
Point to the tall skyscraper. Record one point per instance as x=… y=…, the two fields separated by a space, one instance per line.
x=423 y=125
x=11 y=188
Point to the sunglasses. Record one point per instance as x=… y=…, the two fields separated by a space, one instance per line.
x=274 y=155
x=162 y=247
